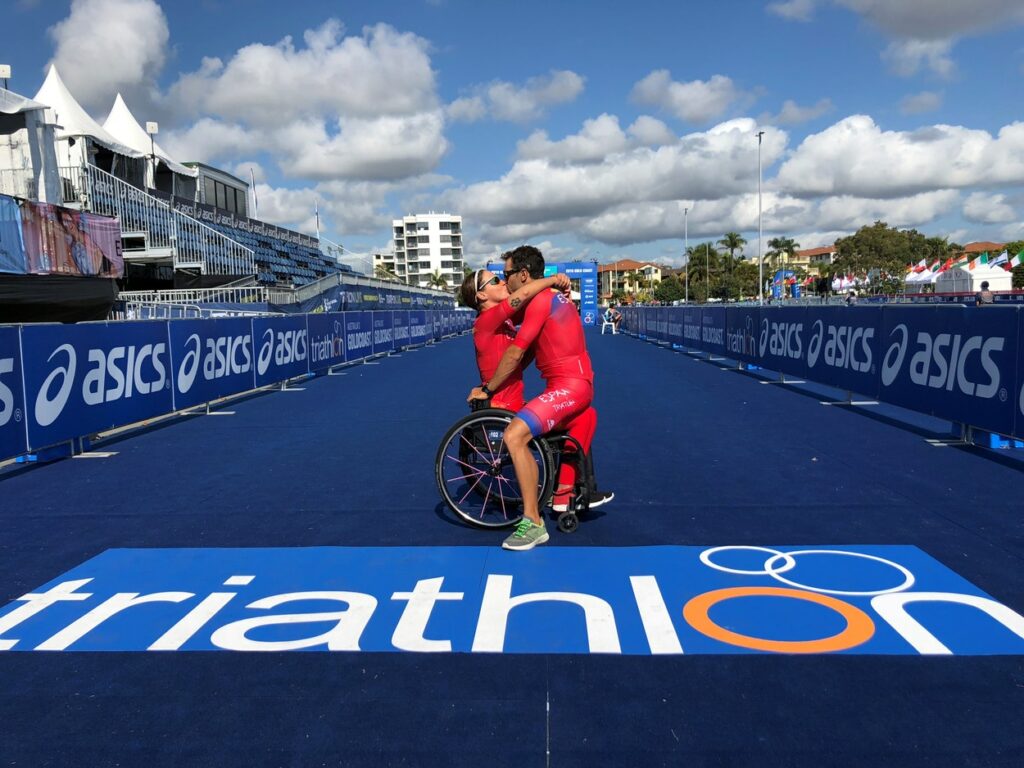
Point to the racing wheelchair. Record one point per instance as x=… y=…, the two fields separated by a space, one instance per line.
x=477 y=481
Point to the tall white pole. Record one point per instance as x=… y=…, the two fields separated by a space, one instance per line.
x=760 y=227
x=686 y=250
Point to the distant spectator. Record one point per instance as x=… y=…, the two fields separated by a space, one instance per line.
x=851 y=298
x=984 y=296
x=613 y=316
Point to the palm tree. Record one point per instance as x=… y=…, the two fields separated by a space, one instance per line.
x=732 y=242
x=785 y=247
x=437 y=280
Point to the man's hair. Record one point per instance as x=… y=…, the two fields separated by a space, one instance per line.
x=525 y=257
x=468 y=290
x=984 y=285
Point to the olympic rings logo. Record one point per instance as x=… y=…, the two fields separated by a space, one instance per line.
x=788 y=560
x=859 y=626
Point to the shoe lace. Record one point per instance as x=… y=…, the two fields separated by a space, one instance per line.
x=522 y=528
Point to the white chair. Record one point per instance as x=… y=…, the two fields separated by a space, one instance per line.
x=607 y=323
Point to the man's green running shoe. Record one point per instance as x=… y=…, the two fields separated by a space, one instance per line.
x=527 y=535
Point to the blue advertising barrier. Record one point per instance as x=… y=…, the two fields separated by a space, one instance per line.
x=358 y=335
x=400 y=324
x=964 y=364
x=326 y=340
x=959 y=363
x=282 y=348
x=13 y=439
x=210 y=359
x=90 y=377
x=62 y=382
x=421 y=329
x=383 y=333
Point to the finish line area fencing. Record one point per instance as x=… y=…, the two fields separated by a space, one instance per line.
x=62 y=384
x=961 y=364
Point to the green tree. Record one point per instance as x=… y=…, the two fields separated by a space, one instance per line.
x=732 y=242
x=669 y=289
x=1017 y=246
x=782 y=248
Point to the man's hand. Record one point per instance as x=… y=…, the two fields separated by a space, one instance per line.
x=563 y=283
x=476 y=393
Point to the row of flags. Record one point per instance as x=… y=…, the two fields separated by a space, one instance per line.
x=1002 y=260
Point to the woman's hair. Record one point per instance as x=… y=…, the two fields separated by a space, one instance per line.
x=470 y=288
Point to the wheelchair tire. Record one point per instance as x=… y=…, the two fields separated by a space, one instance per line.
x=474 y=472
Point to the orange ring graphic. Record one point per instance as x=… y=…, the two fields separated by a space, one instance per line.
x=859 y=627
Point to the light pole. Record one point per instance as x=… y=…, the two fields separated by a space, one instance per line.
x=686 y=250
x=707 y=273
x=760 y=227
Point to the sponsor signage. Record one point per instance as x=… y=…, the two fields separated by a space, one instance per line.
x=358 y=335
x=211 y=359
x=421 y=329
x=669 y=600
x=960 y=363
x=282 y=348
x=843 y=347
x=400 y=323
x=383 y=333
x=89 y=377
x=13 y=439
x=326 y=340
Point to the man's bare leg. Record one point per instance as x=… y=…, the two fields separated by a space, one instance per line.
x=517 y=440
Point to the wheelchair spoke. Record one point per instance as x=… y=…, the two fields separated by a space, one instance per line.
x=487 y=442
x=463 y=438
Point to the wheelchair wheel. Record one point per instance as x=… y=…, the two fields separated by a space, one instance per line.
x=475 y=475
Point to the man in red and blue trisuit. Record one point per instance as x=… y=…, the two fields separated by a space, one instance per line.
x=552 y=330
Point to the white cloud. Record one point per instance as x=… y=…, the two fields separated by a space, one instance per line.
x=106 y=46
x=795 y=10
x=597 y=139
x=906 y=57
x=916 y=103
x=467 y=110
x=856 y=157
x=793 y=114
x=983 y=208
x=539 y=196
x=697 y=101
x=524 y=103
x=651 y=132
x=382 y=72
x=355 y=107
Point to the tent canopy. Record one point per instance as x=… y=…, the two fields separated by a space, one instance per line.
x=73 y=120
x=963 y=280
x=12 y=103
x=122 y=125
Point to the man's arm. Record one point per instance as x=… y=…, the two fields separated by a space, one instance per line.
x=534 y=287
x=509 y=363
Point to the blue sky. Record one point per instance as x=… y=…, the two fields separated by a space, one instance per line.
x=583 y=127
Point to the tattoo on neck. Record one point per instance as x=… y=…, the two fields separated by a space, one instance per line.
x=516 y=302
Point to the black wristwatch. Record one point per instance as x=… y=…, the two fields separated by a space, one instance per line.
x=485 y=390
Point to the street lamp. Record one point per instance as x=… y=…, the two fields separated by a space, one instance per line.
x=686 y=250
x=760 y=227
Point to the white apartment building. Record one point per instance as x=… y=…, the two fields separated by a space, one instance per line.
x=424 y=244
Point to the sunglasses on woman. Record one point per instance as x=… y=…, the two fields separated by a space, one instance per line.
x=495 y=280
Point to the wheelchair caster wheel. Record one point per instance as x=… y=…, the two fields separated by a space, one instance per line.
x=568 y=522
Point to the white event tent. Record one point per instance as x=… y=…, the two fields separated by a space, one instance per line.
x=122 y=125
x=84 y=140
x=964 y=280
x=27 y=150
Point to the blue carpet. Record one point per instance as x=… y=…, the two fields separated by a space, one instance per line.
x=696 y=455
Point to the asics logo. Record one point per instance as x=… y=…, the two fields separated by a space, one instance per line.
x=940 y=361
x=6 y=393
x=225 y=356
x=845 y=346
x=781 y=339
x=48 y=408
x=283 y=347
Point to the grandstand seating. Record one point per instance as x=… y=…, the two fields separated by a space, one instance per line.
x=282 y=262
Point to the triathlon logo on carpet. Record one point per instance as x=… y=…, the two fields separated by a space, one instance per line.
x=630 y=600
